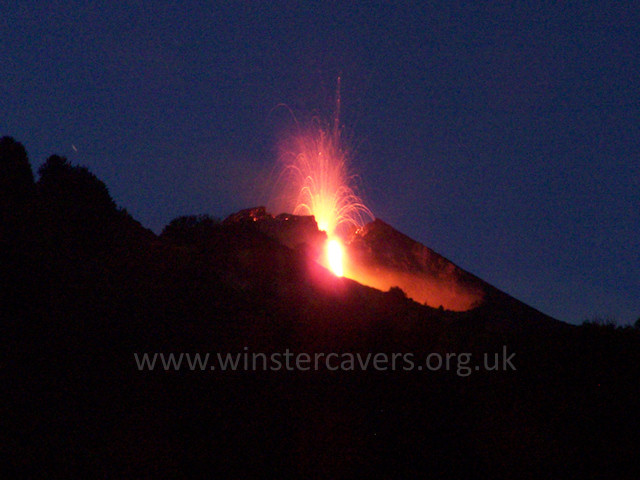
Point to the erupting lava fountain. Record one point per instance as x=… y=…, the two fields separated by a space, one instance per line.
x=317 y=173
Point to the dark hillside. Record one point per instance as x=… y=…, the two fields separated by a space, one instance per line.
x=85 y=286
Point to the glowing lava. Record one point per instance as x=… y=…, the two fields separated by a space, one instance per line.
x=316 y=181
x=316 y=171
x=319 y=170
x=335 y=252
x=316 y=167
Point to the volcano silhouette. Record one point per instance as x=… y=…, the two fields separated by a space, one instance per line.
x=381 y=257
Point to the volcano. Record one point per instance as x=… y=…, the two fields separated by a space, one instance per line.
x=379 y=256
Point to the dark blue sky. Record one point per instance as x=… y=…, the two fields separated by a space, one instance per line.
x=504 y=137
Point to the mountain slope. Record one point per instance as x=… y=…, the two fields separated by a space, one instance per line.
x=379 y=256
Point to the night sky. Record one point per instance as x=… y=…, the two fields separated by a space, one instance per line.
x=505 y=138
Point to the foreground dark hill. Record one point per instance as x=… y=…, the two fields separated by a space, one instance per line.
x=85 y=287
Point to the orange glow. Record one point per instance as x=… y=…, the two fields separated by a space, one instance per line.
x=335 y=253
x=315 y=179
x=317 y=172
x=318 y=183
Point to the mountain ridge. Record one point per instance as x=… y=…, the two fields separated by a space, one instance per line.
x=382 y=257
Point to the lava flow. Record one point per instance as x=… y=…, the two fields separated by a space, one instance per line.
x=335 y=252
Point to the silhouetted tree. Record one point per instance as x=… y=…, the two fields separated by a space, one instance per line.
x=77 y=216
x=601 y=322
x=190 y=229
x=16 y=177
x=397 y=293
x=16 y=183
x=73 y=187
